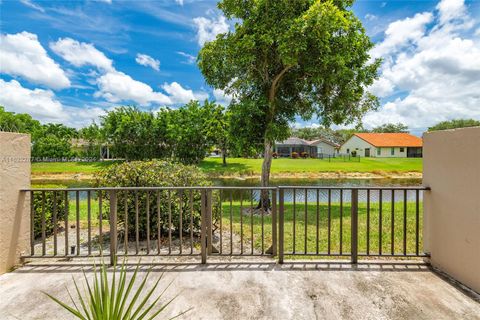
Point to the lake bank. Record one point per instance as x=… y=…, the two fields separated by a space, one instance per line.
x=69 y=176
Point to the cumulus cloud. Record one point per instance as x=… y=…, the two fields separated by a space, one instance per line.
x=23 y=55
x=208 y=29
x=178 y=94
x=436 y=78
x=221 y=97
x=147 y=61
x=80 y=54
x=117 y=86
x=38 y=102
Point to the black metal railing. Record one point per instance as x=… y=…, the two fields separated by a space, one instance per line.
x=226 y=221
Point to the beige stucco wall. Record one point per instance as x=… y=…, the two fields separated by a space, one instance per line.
x=386 y=152
x=14 y=206
x=451 y=162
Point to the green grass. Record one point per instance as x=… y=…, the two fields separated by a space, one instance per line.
x=242 y=166
x=310 y=233
x=286 y=165
x=69 y=167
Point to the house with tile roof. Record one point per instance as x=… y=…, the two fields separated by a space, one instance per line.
x=383 y=145
x=315 y=149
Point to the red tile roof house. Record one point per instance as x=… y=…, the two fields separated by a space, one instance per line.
x=383 y=145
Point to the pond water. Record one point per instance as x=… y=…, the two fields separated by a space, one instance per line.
x=298 y=194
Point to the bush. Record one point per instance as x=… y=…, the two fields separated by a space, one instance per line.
x=294 y=155
x=50 y=199
x=304 y=155
x=155 y=174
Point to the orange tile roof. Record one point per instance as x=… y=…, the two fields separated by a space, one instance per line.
x=391 y=139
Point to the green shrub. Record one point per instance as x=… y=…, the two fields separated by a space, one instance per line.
x=155 y=174
x=49 y=201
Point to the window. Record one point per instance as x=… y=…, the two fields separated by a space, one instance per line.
x=379 y=151
x=348 y=150
x=402 y=149
x=392 y=151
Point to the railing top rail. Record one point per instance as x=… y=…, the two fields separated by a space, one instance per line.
x=149 y=188
x=355 y=188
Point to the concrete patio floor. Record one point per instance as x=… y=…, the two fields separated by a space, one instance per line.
x=262 y=290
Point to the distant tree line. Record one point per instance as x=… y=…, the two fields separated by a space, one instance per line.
x=341 y=135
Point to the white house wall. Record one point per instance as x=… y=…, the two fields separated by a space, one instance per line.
x=359 y=145
x=325 y=148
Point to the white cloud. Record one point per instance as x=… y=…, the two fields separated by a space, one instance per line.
x=116 y=86
x=38 y=102
x=180 y=2
x=221 y=97
x=450 y=10
x=81 y=54
x=178 y=94
x=44 y=106
x=147 y=61
x=208 y=29
x=32 y=5
x=434 y=78
x=189 y=58
x=402 y=33
x=23 y=55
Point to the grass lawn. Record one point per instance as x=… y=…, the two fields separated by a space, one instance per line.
x=69 y=167
x=242 y=166
x=298 y=242
x=286 y=165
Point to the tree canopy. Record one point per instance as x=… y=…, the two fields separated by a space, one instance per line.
x=292 y=59
x=391 y=128
x=453 y=124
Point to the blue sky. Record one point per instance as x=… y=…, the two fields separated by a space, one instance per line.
x=68 y=61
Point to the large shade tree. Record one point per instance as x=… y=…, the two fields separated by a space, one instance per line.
x=292 y=58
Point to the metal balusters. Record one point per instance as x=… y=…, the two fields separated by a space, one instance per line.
x=66 y=222
x=305 y=224
x=368 y=221
x=100 y=218
x=77 y=221
x=137 y=231
x=44 y=241
x=380 y=208
x=251 y=220
x=221 y=221
x=191 y=221
x=241 y=222
x=231 y=222
x=125 y=224
x=294 y=217
x=318 y=222
x=147 y=209
x=392 y=225
x=169 y=222
x=180 y=227
x=55 y=229
x=89 y=222
x=159 y=223
x=417 y=221
x=329 y=220
x=32 y=224
x=404 y=222
x=341 y=221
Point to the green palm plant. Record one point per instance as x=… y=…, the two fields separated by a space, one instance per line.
x=115 y=300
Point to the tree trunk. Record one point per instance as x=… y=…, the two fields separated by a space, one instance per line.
x=224 y=157
x=265 y=178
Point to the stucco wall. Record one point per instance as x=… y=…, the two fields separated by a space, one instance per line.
x=451 y=162
x=386 y=152
x=14 y=206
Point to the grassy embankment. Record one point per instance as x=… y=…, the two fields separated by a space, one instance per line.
x=252 y=167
